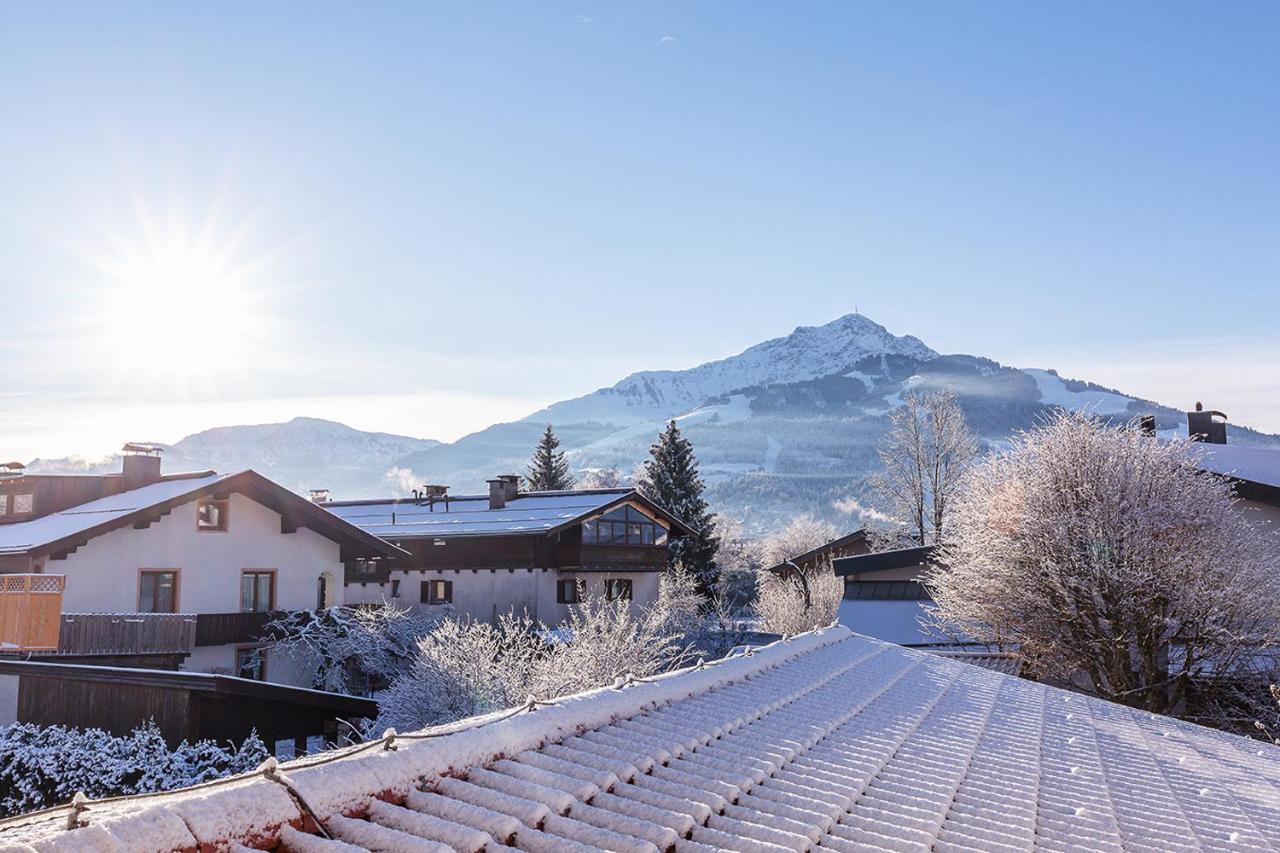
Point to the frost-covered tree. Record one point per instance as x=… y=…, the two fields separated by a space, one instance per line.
x=671 y=480
x=43 y=766
x=343 y=646
x=465 y=668
x=1107 y=554
x=548 y=470
x=803 y=534
x=794 y=602
x=925 y=454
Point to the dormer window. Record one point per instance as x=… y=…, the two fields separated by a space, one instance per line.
x=211 y=515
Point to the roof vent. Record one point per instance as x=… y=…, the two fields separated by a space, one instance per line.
x=141 y=464
x=1209 y=427
x=319 y=496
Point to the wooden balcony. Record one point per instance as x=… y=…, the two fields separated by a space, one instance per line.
x=123 y=634
x=219 y=629
x=617 y=558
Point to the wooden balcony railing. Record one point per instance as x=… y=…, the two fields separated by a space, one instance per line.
x=219 y=629
x=88 y=634
x=627 y=558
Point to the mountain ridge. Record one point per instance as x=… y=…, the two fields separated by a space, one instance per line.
x=785 y=427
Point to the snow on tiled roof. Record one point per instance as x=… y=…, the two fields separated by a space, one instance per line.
x=22 y=536
x=470 y=515
x=1255 y=464
x=831 y=741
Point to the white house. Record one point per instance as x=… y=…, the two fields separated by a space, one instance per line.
x=220 y=550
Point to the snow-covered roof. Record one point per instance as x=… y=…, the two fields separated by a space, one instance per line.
x=470 y=515
x=23 y=536
x=829 y=741
x=1255 y=464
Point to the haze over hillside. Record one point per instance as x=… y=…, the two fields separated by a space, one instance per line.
x=787 y=426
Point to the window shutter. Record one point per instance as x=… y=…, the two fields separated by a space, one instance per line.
x=424 y=596
x=448 y=591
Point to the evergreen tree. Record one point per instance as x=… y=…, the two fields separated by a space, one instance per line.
x=671 y=480
x=548 y=470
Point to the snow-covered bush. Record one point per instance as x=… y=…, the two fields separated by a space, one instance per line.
x=798 y=601
x=344 y=645
x=464 y=667
x=1106 y=554
x=42 y=766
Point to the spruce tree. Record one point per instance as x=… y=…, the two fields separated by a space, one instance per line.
x=671 y=480
x=548 y=470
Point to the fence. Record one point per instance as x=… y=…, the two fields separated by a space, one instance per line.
x=126 y=633
x=30 y=606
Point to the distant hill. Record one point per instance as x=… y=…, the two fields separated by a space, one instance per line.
x=786 y=427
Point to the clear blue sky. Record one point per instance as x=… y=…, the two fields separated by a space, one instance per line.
x=427 y=217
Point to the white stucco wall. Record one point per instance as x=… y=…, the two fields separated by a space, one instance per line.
x=102 y=576
x=486 y=594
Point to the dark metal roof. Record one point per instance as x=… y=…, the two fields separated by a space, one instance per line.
x=884 y=561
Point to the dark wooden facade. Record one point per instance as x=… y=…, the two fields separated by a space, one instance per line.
x=185 y=706
x=564 y=551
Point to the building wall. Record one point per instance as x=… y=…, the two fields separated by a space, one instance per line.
x=102 y=576
x=486 y=594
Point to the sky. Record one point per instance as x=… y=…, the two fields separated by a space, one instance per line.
x=425 y=218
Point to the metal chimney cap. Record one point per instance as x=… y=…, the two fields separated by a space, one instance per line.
x=138 y=447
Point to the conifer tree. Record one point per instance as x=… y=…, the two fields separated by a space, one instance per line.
x=548 y=470
x=671 y=480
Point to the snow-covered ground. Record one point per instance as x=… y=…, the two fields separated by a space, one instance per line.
x=1053 y=392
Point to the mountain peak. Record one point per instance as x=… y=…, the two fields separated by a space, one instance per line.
x=809 y=352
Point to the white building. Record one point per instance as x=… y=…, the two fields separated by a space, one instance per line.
x=220 y=550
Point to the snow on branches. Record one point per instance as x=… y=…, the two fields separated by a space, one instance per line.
x=803 y=599
x=1106 y=553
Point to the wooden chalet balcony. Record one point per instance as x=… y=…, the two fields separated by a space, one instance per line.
x=94 y=634
x=623 y=558
x=219 y=629
x=30 y=605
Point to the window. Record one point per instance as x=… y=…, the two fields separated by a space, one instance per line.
x=252 y=663
x=158 y=592
x=437 y=592
x=24 y=503
x=211 y=515
x=885 y=591
x=365 y=566
x=625 y=525
x=257 y=590
x=617 y=588
x=395 y=588
x=568 y=591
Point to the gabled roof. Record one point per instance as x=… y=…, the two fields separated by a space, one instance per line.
x=883 y=561
x=70 y=528
x=833 y=547
x=829 y=741
x=470 y=515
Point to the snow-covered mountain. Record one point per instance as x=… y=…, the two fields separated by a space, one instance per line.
x=303 y=453
x=807 y=353
x=786 y=427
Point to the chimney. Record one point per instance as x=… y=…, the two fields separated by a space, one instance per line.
x=141 y=464
x=1147 y=425
x=319 y=496
x=1209 y=427
x=503 y=488
x=12 y=469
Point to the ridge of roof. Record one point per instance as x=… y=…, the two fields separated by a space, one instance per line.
x=440 y=499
